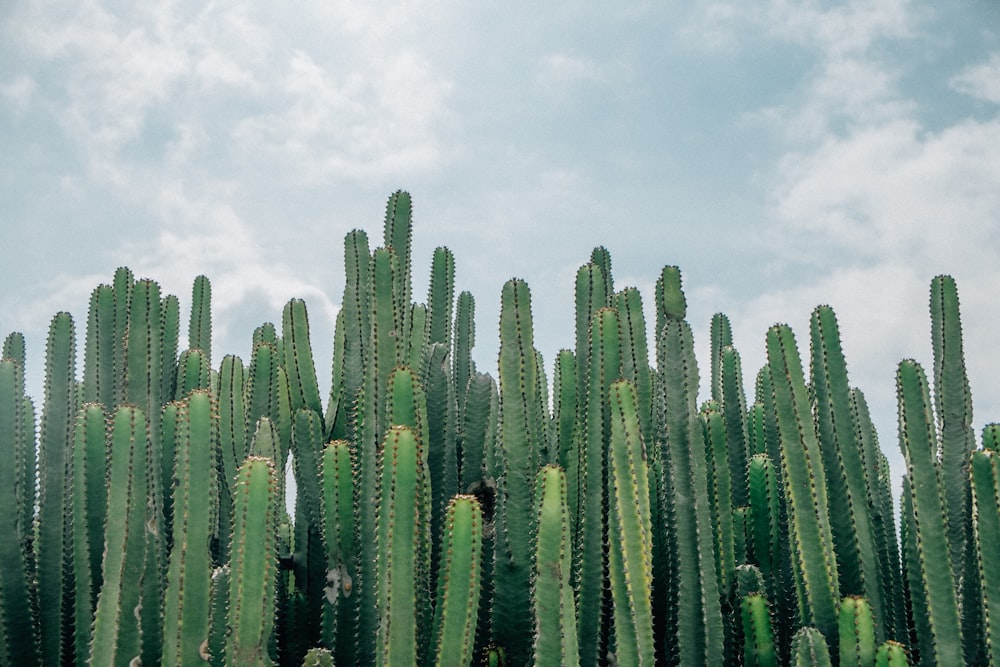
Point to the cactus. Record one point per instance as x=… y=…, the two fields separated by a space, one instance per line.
x=200 y=323
x=813 y=562
x=463 y=340
x=931 y=571
x=809 y=649
x=58 y=413
x=400 y=523
x=298 y=358
x=699 y=627
x=553 y=604
x=986 y=521
x=116 y=633
x=521 y=432
x=340 y=610
x=856 y=632
x=454 y=626
x=759 y=648
x=18 y=642
x=891 y=654
x=253 y=564
x=195 y=501
x=843 y=463
x=630 y=533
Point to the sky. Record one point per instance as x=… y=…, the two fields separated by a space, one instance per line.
x=782 y=154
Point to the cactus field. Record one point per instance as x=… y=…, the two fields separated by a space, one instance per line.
x=164 y=504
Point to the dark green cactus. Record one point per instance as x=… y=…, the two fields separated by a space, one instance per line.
x=930 y=571
x=463 y=340
x=699 y=627
x=986 y=541
x=298 y=358
x=843 y=463
x=88 y=504
x=521 y=432
x=813 y=561
x=891 y=654
x=18 y=641
x=253 y=564
x=340 y=610
x=553 y=604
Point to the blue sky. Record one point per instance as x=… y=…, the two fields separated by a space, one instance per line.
x=783 y=154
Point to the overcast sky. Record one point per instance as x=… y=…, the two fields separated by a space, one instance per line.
x=783 y=154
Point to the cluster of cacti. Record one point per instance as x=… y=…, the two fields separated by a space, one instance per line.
x=442 y=516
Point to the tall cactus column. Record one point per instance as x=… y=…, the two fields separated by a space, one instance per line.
x=521 y=431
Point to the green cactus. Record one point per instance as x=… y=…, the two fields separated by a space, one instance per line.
x=193 y=372
x=400 y=547
x=699 y=628
x=88 y=503
x=117 y=638
x=253 y=564
x=553 y=603
x=298 y=358
x=398 y=236
x=759 y=648
x=843 y=463
x=931 y=571
x=813 y=561
x=18 y=639
x=100 y=348
x=891 y=654
x=340 y=610
x=58 y=414
x=809 y=649
x=441 y=297
x=463 y=340
x=200 y=322
x=591 y=465
x=856 y=625
x=720 y=494
x=454 y=626
x=986 y=543
x=218 y=615
x=521 y=431
x=195 y=501
x=170 y=322
x=630 y=559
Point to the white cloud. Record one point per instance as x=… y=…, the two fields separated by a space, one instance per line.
x=19 y=92
x=981 y=81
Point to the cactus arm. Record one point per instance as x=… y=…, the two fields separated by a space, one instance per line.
x=986 y=522
x=170 y=315
x=253 y=564
x=340 y=612
x=58 y=415
x=441 y=297
x=88 y=504
x=813 y=561
x=18 y=641
x=193 y=372
x=758 y=636
x=298 y=357
x=116 y=634
x=520 y=433
x=720 y=490
x=398 y=538
x=454 y=628
x=809 y=649
x=630 y=530
x=399 y=236
x=853 y=533
x=856 y=625
x=892 y=654
x=553 y=604
x=721 y=334
x=564 y=397
x=942 y=645
x=200 y=322
x=635 y=355
x=463 y=340
x=187 y=597
x=591 y=466
x=99 y=350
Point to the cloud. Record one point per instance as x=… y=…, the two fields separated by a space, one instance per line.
x=981 y=81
